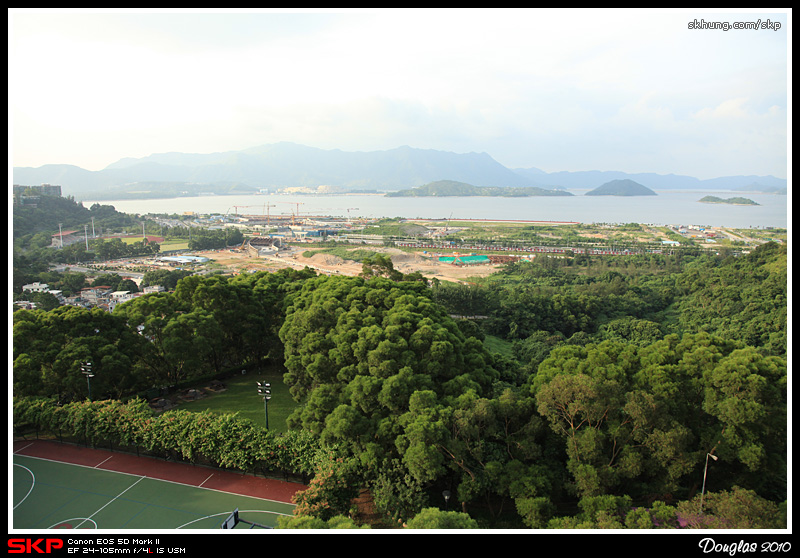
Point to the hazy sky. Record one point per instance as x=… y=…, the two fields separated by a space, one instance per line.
x=630 y=90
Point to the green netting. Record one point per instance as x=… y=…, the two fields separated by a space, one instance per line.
x=464 y=259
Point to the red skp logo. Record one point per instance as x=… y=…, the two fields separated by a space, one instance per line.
x=29 y=546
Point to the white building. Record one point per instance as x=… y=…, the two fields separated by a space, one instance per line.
x=154 y=289
x=35 y=287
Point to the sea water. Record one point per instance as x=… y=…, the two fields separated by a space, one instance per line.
x=668 y=207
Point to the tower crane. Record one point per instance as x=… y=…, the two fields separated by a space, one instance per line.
x=298 y=204
x=236 y=208
x=264 y=206
x=266 y=210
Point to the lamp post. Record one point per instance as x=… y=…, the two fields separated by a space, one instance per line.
x=446 y=495
x=86 y=369
x=705 y=471
x=264 y=391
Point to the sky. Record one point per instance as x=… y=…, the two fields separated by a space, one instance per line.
x=566 y=89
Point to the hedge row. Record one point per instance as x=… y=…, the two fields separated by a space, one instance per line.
x=226 y=440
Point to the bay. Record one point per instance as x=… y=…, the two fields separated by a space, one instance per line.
x=668 y=207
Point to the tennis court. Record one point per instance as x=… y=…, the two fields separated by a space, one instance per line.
x=465 y=259
x=59 y=486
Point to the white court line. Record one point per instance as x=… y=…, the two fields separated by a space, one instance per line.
x=92 y=521
x=24 y=448
x=205 y=481
x=110 y=502
x=225 y=514
x=85 y=519
x=103 y=461
x=33 y=483
x=158 y=479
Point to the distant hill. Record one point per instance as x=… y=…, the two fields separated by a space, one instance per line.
x=756 y=187
x=593 y=179
x=282 y=165
x=277 y=166
x=733 y=201
x=621 y=188
x=444 y=188
x=48 y=211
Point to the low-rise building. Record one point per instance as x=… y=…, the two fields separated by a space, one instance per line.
x=35 y=287
x=96 y=296
x=154 y=289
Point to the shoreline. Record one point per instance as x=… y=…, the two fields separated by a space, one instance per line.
x=728 y=203
x=533 y=221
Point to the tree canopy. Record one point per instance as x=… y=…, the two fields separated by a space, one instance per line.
x=357 y=350
x=619 y=377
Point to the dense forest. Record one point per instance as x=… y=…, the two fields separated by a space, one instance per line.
x=36 y=228
x=608 y=382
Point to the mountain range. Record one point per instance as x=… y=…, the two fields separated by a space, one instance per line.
x=288 y=165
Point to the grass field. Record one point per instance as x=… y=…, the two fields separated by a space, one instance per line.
x=178 y=244
x=165 y=246
x=52 y=495
x=497 y=345
x=241 y=396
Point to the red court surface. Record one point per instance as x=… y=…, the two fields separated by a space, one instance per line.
x=182 y=473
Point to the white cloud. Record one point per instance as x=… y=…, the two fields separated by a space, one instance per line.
x=557 y=89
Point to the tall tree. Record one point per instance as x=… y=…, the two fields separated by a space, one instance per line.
x=642 y=420
x=362 y=356
x=50 y=348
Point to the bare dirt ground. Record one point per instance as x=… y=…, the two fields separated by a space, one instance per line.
x=404 y=262
x=237 y=260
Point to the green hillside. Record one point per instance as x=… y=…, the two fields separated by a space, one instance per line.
x=621 y=188
x=453 y=188
x=731 y=201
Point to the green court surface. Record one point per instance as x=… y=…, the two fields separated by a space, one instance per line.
x=464 y=259
x=52 y=495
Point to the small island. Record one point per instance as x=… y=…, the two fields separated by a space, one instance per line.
x=621 y=188
x=460 y=189
x=731 y=201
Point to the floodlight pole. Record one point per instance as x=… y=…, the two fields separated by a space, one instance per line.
x=705 y=471
x=264 y=391
x=86 y=369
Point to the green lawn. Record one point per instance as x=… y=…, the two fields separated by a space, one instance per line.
x=497 y=345
x=241 y=396
x=178 y=244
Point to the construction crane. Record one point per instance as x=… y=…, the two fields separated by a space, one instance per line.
x=348 y=213
x=266 y=210
x=298 y=204
x=264 y=206
x=236 y=207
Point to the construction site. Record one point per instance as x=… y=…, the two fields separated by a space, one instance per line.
x=445 y=268
x=270 y=253
x=276 y=241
